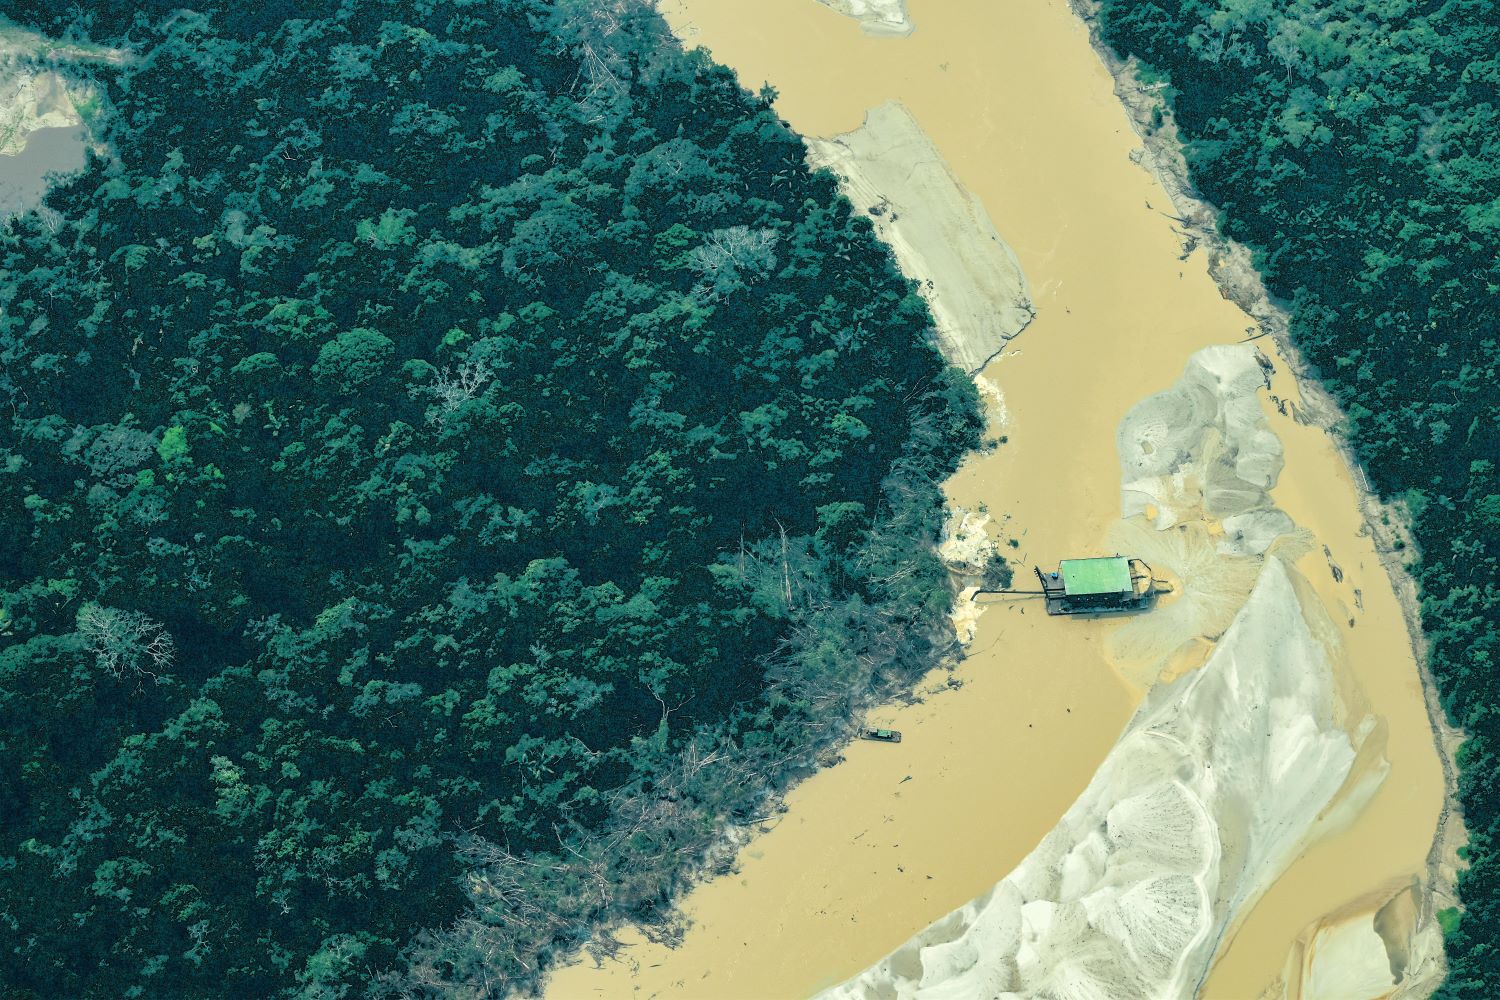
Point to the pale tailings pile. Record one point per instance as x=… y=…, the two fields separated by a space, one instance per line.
x=1203 y=447
x=1361 y=951
x=1216 y=785
x=966 y=549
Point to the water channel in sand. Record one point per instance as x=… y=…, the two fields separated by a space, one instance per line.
x=872 y=850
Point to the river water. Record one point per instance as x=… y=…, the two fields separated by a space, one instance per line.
x=872 y=850
x=23 y=177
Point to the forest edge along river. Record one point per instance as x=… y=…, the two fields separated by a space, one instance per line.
x=845 y=874
x=1017 y=107
x=872 y=850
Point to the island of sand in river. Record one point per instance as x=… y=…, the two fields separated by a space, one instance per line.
x=1028 y=749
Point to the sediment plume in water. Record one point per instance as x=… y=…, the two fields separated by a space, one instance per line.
x=1209 y=586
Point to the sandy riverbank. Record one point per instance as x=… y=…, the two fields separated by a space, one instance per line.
x=878 y=17
x=872 y=850
x=941 y=234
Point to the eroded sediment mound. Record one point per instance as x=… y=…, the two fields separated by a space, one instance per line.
x=1197 y=465
x=1203 y=447
x=1360 y=952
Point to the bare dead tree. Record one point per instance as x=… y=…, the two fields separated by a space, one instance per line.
x=746 y=250
x=453 y=387
x=597 y=72
x=666 y=713
x=786 y=569
x=126 y=643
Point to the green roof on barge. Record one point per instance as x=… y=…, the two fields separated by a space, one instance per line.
x=1086 y=577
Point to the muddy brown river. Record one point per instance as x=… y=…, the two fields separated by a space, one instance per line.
x=870 y=851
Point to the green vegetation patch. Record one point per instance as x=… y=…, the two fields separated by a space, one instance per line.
x=1448 y=918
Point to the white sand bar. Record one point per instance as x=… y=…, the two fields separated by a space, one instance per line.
x=878 y=17
x=940 y=233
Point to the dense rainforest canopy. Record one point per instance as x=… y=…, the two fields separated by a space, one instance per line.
x=454 y=457
x=1355 y=146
